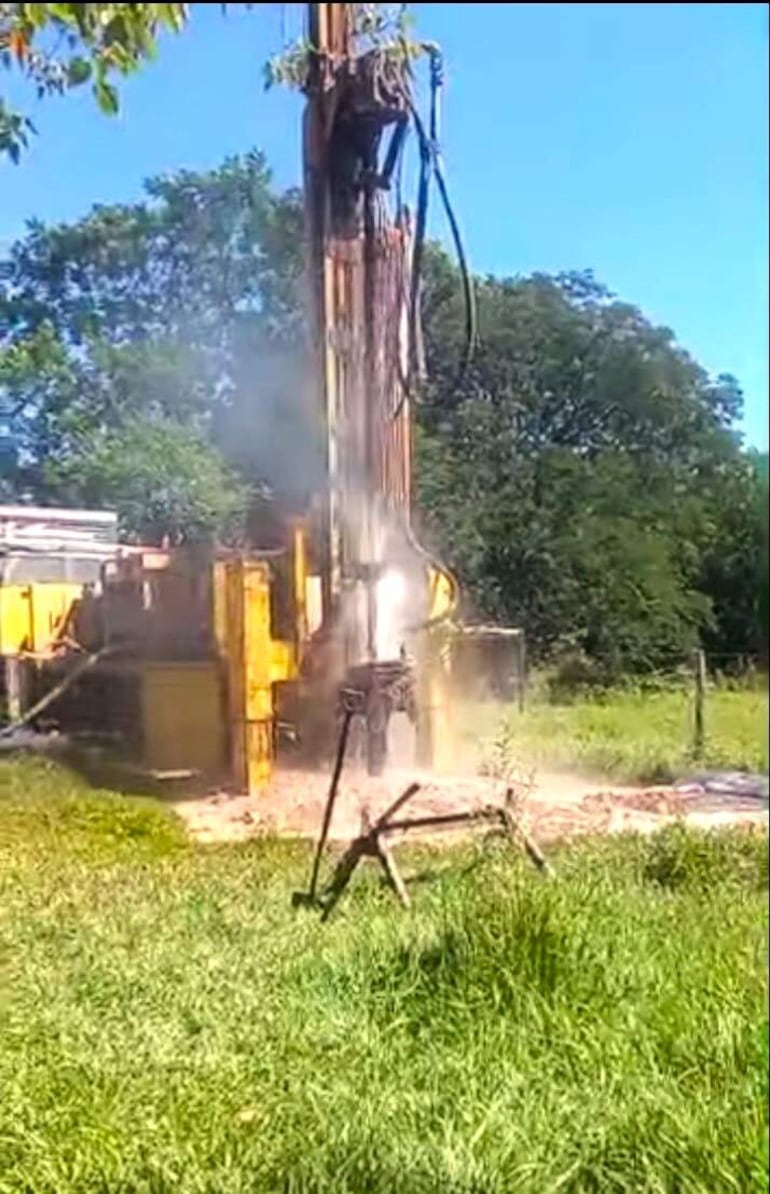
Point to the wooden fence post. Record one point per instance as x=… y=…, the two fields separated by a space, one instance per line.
x=700 y=701
x=522 y=669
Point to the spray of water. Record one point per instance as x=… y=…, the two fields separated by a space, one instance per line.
x=390 y=619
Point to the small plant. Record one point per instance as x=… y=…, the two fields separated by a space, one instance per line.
x=500 y=763
x=679 y=857
x=382 y=29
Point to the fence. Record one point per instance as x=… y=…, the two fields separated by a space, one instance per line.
x=697 y=713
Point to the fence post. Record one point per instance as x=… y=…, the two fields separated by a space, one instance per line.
x=700 y=700
x=522 y=668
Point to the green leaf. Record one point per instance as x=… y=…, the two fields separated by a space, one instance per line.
x=173 y=15
x=106 y=97
x=78 y=71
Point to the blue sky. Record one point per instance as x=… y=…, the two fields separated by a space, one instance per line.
x=626 y=138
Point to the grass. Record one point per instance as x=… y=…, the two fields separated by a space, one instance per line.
x=170 y=1024
x=632 y=736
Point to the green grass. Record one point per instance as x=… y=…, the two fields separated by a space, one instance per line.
x=632 y=736
x=170 y=1024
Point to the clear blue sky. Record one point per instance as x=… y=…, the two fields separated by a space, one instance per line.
x=627 y=138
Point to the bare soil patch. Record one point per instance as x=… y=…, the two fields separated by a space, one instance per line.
x=554 y=806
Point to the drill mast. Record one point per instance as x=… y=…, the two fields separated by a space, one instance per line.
x=359 y=284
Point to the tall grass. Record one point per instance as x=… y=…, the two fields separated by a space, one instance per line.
x=632 y=736
x=170 y=1024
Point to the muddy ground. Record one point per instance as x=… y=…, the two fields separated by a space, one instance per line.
x=550 y=806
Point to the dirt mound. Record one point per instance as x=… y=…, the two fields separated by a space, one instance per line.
x=554 y=806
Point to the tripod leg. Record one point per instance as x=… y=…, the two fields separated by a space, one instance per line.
x=343 y=873
x=514 y=830
x=382 y=850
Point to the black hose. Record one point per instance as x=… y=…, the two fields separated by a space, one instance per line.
x=434 y=156
x=438 y=566
x=431 y=164
x=468 y=290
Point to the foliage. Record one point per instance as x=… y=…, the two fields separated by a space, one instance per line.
x=734 y=563
x=61 y=46
x=179 y=312
x=585 y=478
x=163 y=478
x=597 y=1032
x=676 y=858
x=379 y=29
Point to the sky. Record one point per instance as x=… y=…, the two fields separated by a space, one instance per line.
x=630 y=139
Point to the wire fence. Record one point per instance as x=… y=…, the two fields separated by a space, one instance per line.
x=706 y=710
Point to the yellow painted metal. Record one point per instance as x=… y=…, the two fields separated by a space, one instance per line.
x=182 y=723
x=254 y=662
x=282 y=661
x=299 y=583
x=436 y=739
x=442 y=601
x=219 y=605
x=32 y=616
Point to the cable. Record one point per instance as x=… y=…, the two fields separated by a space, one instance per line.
x=438 y=566
x=433 y=153
x=431 y=165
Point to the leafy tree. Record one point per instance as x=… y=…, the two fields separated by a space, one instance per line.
x=162 y=477
x=61 y=46
x=733 y=568
x=584 y=479
x=184 y=309
x=573 y=477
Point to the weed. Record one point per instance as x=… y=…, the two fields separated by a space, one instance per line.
x=677 y=857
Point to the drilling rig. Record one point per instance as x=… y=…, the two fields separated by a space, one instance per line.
x=379 y=585
x=192 y=663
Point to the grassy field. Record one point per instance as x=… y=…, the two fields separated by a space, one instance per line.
x=170 y=1024
x=630 y=736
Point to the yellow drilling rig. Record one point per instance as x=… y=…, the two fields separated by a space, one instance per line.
x=195 y=665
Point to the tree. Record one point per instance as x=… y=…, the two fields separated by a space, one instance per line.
x=733 y=566
x=573 y=478
x=61 y=46
x=181 y=310
x=584 y=479
x=163 y=477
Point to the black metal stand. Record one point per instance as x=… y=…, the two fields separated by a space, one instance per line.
x=373 y=841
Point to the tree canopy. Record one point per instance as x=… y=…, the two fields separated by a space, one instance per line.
x=180 y=311
x=61 y=46
x=585 y=480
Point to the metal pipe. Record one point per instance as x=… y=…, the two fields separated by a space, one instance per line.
x=440 y=821
x=331 y=799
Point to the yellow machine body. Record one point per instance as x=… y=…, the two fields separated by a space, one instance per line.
x=33 y=616
x=181 y=726
x=254 y=662
x=200 y=650
x=194 y=649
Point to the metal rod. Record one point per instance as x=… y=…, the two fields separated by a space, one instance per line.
x=397 y=804
x=438 y=821
x=54 y=693
x=369 y=405
x=339 y=761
